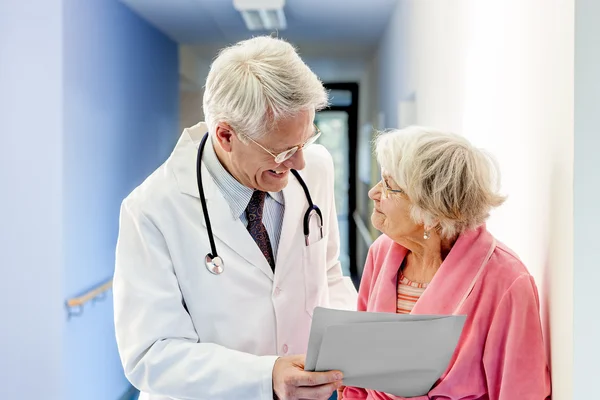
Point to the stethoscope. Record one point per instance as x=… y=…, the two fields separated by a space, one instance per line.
x=214 y=263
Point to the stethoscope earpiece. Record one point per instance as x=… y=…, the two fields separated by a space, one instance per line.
x=314 y=210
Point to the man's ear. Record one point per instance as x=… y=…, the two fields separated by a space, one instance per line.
x=224 y=136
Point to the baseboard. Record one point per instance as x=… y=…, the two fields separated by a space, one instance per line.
x=129 y=394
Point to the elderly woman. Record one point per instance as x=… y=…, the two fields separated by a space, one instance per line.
x=436 y=257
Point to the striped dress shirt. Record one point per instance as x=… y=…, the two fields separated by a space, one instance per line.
x=238 y=196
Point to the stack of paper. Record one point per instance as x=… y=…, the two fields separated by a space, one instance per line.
x=399 y=354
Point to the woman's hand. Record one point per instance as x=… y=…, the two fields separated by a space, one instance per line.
x=340 y=392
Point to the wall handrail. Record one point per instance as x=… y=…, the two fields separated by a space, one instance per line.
x=75 y=305
x=362 y=229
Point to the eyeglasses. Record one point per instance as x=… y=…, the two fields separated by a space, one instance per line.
x=287 y=154
x=386 y=189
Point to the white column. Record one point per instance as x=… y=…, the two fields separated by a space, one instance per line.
x=586 y=295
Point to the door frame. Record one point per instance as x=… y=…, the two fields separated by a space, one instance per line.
x=352 y=111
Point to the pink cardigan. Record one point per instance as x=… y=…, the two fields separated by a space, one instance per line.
x=501 y=354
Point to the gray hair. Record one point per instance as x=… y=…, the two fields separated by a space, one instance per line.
x=451 y=184
x=256 y=82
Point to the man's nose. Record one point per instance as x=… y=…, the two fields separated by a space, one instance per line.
x=296 y=161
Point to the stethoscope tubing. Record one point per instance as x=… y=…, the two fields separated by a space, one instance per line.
x=213 y=247
x=216 y=267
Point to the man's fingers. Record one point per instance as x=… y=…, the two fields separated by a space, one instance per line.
x=304 y=378
x=322 y=392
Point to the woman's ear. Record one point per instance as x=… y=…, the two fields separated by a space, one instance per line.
x=431 y=224
x=429 y=228
x=224 y=135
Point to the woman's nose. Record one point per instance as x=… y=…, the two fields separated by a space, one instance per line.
x=375 y=192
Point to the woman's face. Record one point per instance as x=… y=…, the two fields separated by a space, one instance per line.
x=391 y=212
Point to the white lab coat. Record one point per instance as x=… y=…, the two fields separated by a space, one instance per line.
x=237 y=323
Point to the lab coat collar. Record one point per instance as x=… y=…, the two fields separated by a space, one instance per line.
x=183 y=162
x=229 y=229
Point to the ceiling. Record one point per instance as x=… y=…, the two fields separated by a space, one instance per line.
x=324 y=24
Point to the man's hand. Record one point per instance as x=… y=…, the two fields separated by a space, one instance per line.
x=340 y=392
x=291 y=382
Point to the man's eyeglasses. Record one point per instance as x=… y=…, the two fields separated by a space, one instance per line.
x=386 y=189
x=287 y=154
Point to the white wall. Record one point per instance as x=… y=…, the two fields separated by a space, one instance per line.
x=501 y=73
x=193 y=69
x=586 y=329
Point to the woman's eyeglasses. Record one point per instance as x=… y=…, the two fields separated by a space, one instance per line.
x=386 y=189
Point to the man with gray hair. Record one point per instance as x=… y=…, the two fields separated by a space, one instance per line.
x=222 y=256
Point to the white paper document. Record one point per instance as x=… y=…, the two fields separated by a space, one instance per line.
x=399 y=354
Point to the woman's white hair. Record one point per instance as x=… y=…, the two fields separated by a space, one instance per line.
x=256 y=82
x=452 y=186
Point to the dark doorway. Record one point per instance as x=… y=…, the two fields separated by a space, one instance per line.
x=339 y=124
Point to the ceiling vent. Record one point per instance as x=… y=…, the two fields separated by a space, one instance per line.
x=262 y=14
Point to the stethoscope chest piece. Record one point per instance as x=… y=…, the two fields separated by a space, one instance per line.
x=214 y=264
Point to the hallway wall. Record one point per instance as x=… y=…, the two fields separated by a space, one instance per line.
x=501 y=73
x=586 y=324
x=89 y=107
x=121 y=105
x=31 y=182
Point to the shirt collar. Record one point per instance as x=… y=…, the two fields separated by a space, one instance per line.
x=237 y=195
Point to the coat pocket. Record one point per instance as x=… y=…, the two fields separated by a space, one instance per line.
x=316 y=289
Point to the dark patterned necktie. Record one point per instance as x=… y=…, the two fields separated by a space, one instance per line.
x=256 y=228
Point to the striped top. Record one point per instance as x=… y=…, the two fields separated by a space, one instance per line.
x=238 y=196
x=408 y=293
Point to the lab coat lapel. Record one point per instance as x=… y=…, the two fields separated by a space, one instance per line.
x=292 y=237
x=229 y=230
x=457 y=275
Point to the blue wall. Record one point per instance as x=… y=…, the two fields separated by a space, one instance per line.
x=88 y=108
x=121 y=121
x=31 y=260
